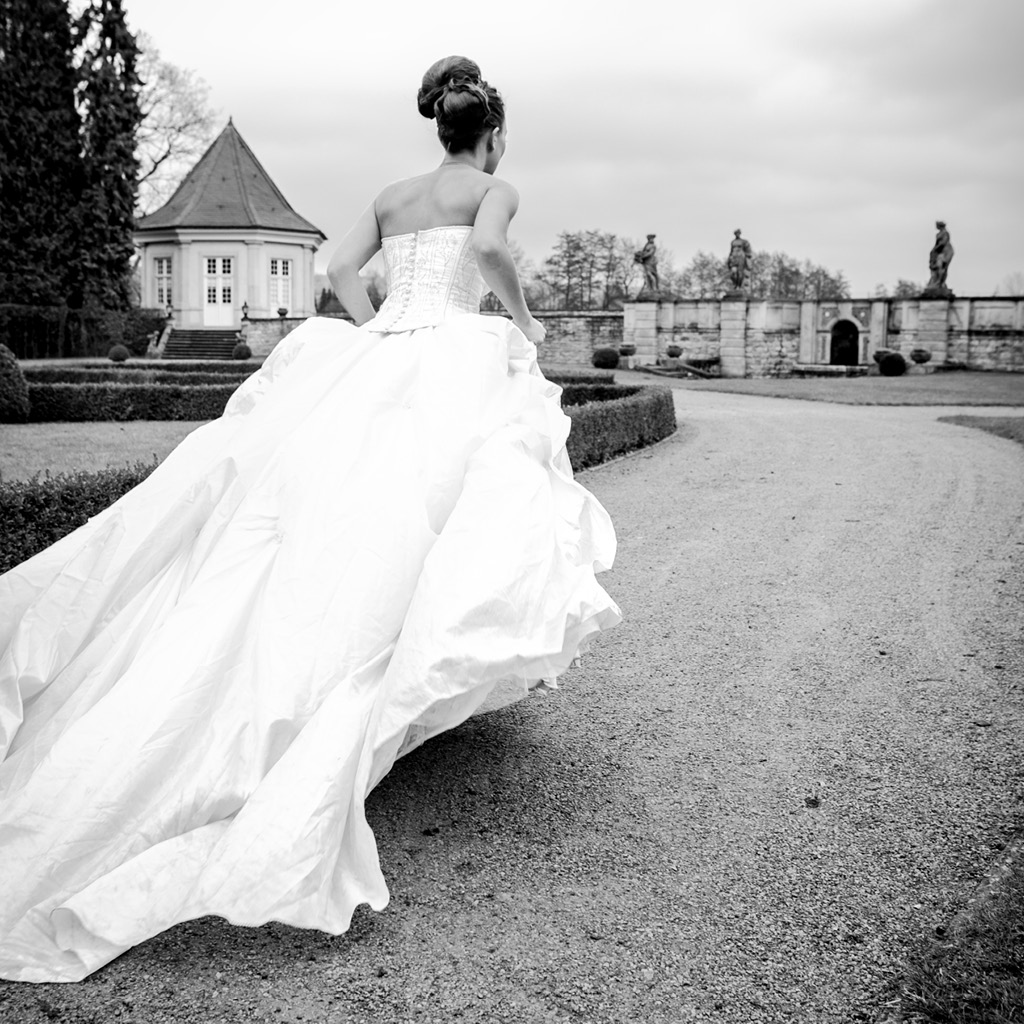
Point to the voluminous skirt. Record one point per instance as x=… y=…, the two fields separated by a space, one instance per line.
x=199 y=687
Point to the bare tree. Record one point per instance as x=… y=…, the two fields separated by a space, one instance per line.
x=905 y=289
x=1012 y=284
x=177 y=125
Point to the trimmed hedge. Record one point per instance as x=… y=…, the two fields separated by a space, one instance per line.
x=35 y=513
x=14 y=401
x=579 y=377
x=614 y=424
x=131 y=375
x=229 y=366
x=76 y=403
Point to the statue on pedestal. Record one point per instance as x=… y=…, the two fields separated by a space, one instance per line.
x=938 y=263
x=647 y=257
x=738 y=263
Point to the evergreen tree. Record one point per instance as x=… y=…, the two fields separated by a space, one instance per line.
x=108 y=98
x=39 y=151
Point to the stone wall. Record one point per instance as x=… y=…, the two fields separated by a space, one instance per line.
x=573 y=336
x=770 y=338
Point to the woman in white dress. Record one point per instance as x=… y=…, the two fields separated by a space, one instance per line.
x=380 y=537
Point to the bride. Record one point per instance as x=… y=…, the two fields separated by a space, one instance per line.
x=380 y=537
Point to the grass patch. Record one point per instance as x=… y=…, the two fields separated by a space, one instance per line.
x=1010 y=427
x=27 y=449
x=961 y=388
x=975 y=974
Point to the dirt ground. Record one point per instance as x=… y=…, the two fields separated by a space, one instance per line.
x=795 y=759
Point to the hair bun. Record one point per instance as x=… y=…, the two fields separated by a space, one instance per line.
x=465 y=106
x=452 y=74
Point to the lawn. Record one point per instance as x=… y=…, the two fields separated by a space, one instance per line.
x=30 y=448
x=1010 y=427
x=954 y=388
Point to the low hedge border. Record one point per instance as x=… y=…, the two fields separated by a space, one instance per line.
x=235 y=366
x=35 y=513
x=77 y=395
x=85 y=375
x=579 y=376
x=172 y=373
x=77 y=403
x=610 y=421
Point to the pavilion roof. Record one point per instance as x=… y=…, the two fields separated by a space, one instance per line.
x=227 y=188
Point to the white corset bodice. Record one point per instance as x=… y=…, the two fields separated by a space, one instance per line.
x=431 y=275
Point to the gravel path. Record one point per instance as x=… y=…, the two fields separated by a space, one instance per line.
x=793 y=760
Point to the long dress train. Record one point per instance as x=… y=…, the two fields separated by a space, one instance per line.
x=199 y=687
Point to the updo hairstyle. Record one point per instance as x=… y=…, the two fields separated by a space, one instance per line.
x=464 y=105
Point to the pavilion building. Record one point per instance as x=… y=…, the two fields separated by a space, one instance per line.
x=227 y=244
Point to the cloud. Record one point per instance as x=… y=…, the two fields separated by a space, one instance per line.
x=835 y=131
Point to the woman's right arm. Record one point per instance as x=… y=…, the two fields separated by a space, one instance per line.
x=498 y=269
x=349 y=258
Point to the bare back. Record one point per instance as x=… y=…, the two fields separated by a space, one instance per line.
x=451 y=194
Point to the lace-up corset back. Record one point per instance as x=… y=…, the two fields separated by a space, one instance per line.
x=431 y=275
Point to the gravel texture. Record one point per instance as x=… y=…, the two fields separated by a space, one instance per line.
x=795 y=758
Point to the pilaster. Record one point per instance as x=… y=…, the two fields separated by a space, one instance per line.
x=734 y=338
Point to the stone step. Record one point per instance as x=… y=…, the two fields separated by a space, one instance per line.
x=829 y=370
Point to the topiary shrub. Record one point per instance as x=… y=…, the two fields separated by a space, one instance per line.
x=14 y=400
x=605 y=358
x=892 y=364
x=118 y=354
x=241 y=351
x=921 y=355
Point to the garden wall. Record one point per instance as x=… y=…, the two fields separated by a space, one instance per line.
x=571 y=338
x=772 y=338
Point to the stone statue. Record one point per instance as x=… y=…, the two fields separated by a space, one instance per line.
x=647 y=257
x=938 y=263
x=739 y=260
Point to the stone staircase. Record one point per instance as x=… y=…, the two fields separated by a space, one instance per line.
x=208 y=343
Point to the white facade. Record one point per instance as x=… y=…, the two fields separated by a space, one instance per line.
x=214 y=272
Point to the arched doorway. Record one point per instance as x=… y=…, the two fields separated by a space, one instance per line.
x=845 y=348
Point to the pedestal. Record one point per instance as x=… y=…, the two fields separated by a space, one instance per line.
x=733 y=337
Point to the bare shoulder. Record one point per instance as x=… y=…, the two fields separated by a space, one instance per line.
x=499 y=190
x=395 y=189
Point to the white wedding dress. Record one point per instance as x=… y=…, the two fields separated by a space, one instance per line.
x=199 y=687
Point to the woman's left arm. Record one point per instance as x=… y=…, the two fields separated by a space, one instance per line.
x=356 y=248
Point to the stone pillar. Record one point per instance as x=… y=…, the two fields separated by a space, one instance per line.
x=808 y=331
x=933 y=329
x=640 y=328
x=878 y=331
x=188 y=304
x=734 y=338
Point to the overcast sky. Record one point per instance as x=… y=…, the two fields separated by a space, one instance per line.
x=833 y=130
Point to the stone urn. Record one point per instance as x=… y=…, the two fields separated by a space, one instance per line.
x=673 y=352
x=627 y=351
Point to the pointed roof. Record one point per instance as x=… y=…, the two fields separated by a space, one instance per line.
x=227 y=188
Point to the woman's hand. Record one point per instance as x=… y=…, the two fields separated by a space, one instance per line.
x=532 y=328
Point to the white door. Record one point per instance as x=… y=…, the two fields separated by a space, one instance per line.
x=219 y=290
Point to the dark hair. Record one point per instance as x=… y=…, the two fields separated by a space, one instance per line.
x=464 y=105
